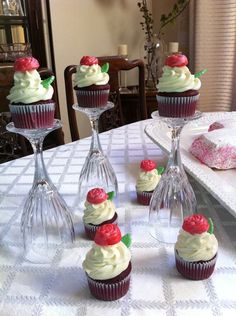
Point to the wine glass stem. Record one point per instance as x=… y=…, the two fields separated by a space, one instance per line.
x=40 y=173
x=95 y=142
x=175 y=159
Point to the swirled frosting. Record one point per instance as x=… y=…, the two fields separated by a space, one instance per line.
x=28 y=88
x=196 y=247
x=106 y=262
x=88 y=75
x=147 y=180
x=98 y=213
x=177 y=79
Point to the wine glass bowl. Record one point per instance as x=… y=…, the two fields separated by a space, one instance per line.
x=46 y=221
x=173 y=199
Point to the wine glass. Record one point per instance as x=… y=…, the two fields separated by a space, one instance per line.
x=46 y=221
x=97 y=170
x=173 y=199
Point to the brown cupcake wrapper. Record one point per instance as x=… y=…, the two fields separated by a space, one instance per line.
x=195 y=270
x=90 y=229
x=177 y=106
x=32 y=116
x=109 y=291
x=144 y=198
x=92 y=99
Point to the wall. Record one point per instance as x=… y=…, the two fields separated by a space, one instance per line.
x=91 y=27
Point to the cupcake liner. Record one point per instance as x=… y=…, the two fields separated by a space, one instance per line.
x=93 y=98
x=90 y=230
x=199 y=270
x=109 y=291
x=32 y=116
x=144 y=198
x=177 y=106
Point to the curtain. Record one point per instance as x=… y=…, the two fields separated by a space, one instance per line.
x=213 y=46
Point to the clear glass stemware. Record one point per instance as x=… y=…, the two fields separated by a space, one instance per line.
x=97 y=170
x=46 y=221
x=173 y=199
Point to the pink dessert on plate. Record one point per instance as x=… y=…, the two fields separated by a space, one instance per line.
x=217 y=148
x=31 y=103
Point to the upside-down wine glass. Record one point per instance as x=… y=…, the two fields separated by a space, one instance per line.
x=46 y=221
x=173 y=199
x=97 y=170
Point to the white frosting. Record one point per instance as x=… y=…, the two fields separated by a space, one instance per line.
x=98 y=213
x=222 y=137
x=177 y=79
x=147 y=180
x=102 y=263
x=196 y=247
x=28 y=89
x=88 y=75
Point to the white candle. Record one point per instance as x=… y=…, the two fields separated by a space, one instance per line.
x=173 y=47
x=122 y=50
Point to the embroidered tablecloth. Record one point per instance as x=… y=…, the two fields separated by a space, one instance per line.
x=60 y=288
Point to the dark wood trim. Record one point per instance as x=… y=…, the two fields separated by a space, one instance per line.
x=36 y=31
x=48 y=8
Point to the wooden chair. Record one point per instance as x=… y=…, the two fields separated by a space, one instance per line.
x=11 y=145
x=114 y=117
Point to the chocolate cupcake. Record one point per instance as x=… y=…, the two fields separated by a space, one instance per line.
x=99 y=210
x=108 y=264
x=91 y=83
x=147 y=181
x=196 y=248
x=31 y=104
x=178 y=93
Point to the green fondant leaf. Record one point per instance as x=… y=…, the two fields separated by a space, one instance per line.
x=211 y=227
x=126 y=239
x=111 y=195
x=200 y=73
x=46 y=82
x=160 y=170
x=105 y=67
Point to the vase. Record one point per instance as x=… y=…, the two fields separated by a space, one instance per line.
x=154 y=58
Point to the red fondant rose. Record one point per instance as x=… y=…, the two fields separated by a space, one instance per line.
x=176 y=60
x=108 y=234
x=96 y=196
x=88 y=60
x=195 y=224
x=26 y=64
x=148 y=165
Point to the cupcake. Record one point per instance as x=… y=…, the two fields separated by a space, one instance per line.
x=91 y=83
x=196 y=248
x=147 y=181
x=99 y=210
x=31 y=103
x=177 y=89
x=108 y=264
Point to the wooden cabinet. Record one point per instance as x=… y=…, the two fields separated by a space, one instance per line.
x=130 y=104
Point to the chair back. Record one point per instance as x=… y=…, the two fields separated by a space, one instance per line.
x=114 y=117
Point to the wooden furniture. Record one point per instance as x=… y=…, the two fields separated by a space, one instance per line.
x=116 y=116
x=129 y=100
x=13 y=146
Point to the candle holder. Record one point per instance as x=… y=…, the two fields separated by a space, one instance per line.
x=46 y=221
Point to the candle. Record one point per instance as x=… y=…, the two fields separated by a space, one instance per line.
x=122 y=50
x=173 y=47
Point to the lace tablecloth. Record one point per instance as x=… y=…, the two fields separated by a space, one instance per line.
x=60 y=288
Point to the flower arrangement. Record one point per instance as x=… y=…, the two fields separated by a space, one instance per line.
x=153 y=40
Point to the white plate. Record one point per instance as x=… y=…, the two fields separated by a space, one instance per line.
x=220 y=183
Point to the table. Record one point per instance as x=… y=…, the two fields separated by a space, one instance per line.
x=60 y=288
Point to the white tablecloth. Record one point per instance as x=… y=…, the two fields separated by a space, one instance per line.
x=61 y=287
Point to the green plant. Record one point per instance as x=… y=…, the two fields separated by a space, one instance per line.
x=147 y=24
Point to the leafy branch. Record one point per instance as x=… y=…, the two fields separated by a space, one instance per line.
x=147 y=25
